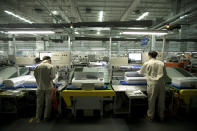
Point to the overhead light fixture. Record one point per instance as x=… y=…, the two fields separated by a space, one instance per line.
x=167 y=26
x=17 y=16
x=100 y=16
x=98 y=33
x=93 y=28
x=71 y=25
x=142 y=16
x=98 y=49
x=183 y=16
x=54 y=12
x=144 y=33
x=25 y=49
x=77 y=33
x=137 y=28
x=134 y=49
x=31 y=32
x=131 y=38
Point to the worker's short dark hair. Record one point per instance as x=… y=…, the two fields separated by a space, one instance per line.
x=152 y=54
x=37 y=60
x=46 y=58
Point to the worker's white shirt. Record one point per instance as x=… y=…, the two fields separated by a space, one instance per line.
x=44 y=74
x=154 y=70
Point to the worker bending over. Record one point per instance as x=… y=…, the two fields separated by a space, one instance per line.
x=44 y=74
x=154 y=70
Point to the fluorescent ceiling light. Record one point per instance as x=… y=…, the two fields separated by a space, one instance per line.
x=100 y=16
x=131 y=38
x=102 y=28
x=17 y=16
x=76 y=32
x=98 y=33
x=183 y=16
x=31 y=32
x=54 y=12
x=94 y=28
x=134 y=49
x=137 y=28
x=25 y=49
x=143 y=33
x=98 y=49
x=142 y=16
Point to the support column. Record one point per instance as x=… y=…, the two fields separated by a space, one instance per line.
x=69 y=49
x=69 y=43
x=110 y=42
x=14 y=44
x=44 y=45
x=153 y=41
x=10 y=46
x=110 y=69
x=14 y=54
x=11 y=51
x=163 y=46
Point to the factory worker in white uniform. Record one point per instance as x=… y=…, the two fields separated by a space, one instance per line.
x=154 y=70
x=44 y=74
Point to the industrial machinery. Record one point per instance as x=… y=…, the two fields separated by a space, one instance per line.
x=26 y=84
x=89 y=88
x=129 y=87
x=184 y=85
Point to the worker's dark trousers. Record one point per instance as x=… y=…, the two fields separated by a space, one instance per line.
x=44 y=96
x=156 y=91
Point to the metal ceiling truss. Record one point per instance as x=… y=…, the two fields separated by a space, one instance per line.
x=143 y=23
x=94 y=39
x=131 y=8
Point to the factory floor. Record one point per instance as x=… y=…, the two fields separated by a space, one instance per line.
x=109 y=123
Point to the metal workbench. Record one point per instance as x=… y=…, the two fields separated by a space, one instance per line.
x=87 y=99
x=122 y=102
x=11 y=101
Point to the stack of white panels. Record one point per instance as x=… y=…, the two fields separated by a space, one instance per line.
x=135 y=80
x=95 y=82
x=184 y=82
x=16 y=81
x=31 y=80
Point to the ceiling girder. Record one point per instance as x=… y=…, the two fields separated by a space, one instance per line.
x=131 y=8
x=143 y=23
x=96 y=39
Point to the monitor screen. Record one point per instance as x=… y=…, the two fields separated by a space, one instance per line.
x=135 y=56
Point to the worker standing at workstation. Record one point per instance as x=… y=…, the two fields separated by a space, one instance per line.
x=44 y=74
x=154 y=70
